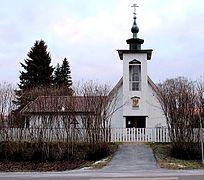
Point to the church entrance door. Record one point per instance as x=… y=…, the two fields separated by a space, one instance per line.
x=136 y=122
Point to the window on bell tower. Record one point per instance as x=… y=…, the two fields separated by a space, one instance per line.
x=135 y=75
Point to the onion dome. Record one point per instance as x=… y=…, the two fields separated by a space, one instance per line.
x=135 y=28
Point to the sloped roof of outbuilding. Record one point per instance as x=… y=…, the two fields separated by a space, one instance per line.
x=64 y=104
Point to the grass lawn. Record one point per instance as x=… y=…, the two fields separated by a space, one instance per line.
x=164 y=159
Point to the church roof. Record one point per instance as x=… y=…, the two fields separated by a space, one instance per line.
x=153 y=86
x=147 y=51
x=150 y=82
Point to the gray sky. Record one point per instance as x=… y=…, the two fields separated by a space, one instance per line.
x=89 y=32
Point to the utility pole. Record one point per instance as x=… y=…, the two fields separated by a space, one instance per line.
x=201 y=139
x=201 y=110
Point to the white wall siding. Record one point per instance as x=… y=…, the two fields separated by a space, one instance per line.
x=156 y=117
x=117 y=120
x=155 y=114
x=52 y=121
x=127 y=94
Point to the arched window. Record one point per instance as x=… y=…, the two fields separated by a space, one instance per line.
x=135 y=75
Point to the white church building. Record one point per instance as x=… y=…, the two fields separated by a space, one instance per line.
x=137 y=101
x=137 y=96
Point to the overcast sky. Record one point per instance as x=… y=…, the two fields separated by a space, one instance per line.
x=89 y=32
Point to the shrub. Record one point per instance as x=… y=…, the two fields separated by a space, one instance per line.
x=38 y=152
x=186 y=151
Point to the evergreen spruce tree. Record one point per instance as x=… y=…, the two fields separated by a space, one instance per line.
x=57 y=75
x=38 y=72
x=62 y=74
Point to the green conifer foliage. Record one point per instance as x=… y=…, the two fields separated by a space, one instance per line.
x=37 y=70
x=62 y=74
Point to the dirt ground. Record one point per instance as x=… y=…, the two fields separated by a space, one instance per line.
x=28 y=166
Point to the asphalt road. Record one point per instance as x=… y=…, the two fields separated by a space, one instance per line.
x=68 y=177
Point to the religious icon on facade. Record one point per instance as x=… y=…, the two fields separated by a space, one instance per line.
x=135 y=102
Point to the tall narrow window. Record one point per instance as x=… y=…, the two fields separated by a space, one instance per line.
x=135 y=75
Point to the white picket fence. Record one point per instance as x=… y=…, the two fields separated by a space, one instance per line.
x=140 y=135
x=53 y=134
x=114 y=135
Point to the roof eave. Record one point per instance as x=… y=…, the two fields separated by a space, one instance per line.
x=145 y=51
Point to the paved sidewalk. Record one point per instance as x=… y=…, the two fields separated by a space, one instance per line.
x=132 y=157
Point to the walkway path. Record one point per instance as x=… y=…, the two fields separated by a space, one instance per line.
x=132 y=157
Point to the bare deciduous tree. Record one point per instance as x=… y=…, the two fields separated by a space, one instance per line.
x=200 y=100
x=178 y=98
x=98 y=105
x=7 y=96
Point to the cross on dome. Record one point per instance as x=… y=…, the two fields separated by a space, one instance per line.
x=135 y=8
x=134 y=28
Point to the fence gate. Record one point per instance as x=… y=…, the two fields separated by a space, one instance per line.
x=140 y=135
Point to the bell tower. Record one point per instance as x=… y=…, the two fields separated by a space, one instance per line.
x=135 y=85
